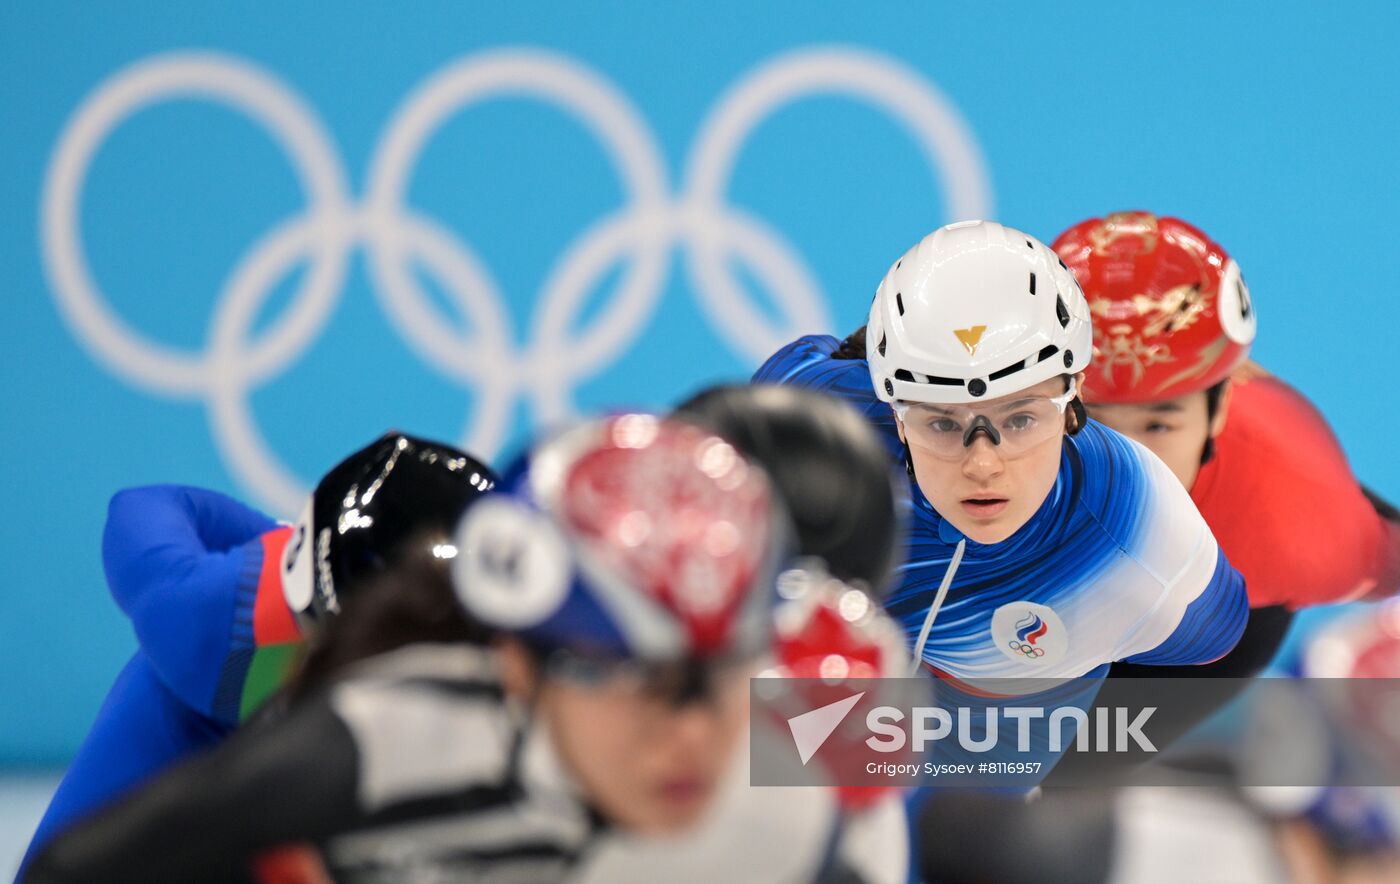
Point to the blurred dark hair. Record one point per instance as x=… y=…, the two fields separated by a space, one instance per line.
x=412 y=601
x=828 y=465
x=853 y=347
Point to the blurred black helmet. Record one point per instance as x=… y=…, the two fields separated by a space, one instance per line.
x=355 y=525
x=828 y=465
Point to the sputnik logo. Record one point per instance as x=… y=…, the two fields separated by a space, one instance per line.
x=811 y=729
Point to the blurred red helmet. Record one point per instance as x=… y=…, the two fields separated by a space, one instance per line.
x=828 y=630
x=1171 y=313
x=1357 y=658
x=631 y=536
x=828 y=634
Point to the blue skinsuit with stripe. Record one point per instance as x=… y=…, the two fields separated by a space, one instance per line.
x=1116 y=564
x=183 y=564
x=1117 y=553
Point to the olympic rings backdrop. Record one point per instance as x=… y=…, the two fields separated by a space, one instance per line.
x=240 y=242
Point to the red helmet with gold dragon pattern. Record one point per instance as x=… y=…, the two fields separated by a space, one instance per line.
x=1171 y=312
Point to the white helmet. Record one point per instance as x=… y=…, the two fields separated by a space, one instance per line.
x=975 y=311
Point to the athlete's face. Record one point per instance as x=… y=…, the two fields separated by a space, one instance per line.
x=647 y=763
x=1176 y=430
x=983 y=493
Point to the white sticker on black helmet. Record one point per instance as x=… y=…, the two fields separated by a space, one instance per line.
x=325 y=577
x=513 y=568
x=298 y=582
x=1236 y=308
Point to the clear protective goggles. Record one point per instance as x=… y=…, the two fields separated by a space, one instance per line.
x=1014 y=424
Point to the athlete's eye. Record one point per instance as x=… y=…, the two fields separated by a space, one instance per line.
x=1157 y=427
x=1020 y=422
x=944 y=425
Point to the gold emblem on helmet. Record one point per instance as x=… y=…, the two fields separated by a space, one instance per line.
x=1116 y=344
x=1142 y=226
x=1204 y=360
x=969 y=337
x=1171 y=311
x=1121 y=348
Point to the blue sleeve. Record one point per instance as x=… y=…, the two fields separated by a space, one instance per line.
x=1212 y=625
x=178 y=561
x=141 y=728
x=807 y=362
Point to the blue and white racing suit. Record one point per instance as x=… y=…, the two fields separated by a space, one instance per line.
x=1117 y=564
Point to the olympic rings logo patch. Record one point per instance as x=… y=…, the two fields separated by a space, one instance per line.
x=1028 y=632
x=398 y=242
x=1025 y=650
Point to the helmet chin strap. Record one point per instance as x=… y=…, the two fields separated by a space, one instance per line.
x=1081 y=415
x=1213 y=395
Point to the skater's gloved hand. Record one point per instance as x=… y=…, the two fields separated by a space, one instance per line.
x=177 y=559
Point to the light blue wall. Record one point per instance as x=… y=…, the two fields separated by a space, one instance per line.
x=1271 y=125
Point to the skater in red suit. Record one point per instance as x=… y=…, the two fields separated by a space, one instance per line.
x=1173 y=324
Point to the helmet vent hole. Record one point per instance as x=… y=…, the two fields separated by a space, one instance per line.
x=1006 y=372
x=1061 y=311
x=1029 y=245
x=881 y=347
x=1044 y=354
x=899 y=302
x=1032 y=282
x=1062 y=263
x=904 y=374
